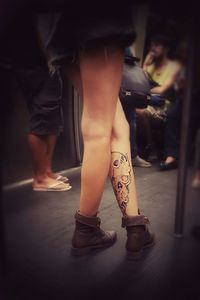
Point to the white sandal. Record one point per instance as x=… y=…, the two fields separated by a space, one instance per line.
x=62 y=178
x=55 y=187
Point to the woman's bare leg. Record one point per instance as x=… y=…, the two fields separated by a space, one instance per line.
x=138 y=235
x=121 y=171
x=100 y=74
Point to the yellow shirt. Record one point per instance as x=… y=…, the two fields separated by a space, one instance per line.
x=160 y=76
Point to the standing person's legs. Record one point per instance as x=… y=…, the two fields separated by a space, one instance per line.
x=43 y=146
x=54 y=84
x=51 y=143
x=87 y=234
x=41 y=180
x=99 y=82
x=45 y=125
x=38 y=147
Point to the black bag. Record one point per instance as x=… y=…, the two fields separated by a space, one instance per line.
x=135 y=86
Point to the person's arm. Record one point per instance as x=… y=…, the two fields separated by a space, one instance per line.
x=132 y=50
x=148 y=61
x=168 y=84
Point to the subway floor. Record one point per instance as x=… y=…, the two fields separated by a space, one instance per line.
x=39 y=226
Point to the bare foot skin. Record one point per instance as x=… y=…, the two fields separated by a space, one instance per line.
x=48 y=184
x=57 y=176
x=170 y=159
x=196 y=180
x=169 y=164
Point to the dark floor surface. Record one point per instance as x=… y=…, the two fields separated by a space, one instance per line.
x=39 y=227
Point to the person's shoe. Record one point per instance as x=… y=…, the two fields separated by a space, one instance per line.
x=168 y=166
x=89 y=236
x=51 y=186
x=138 y=236
x=62 y=178
x=196 y=183
x=148 y=151
x=139 y=162
x=57 y=176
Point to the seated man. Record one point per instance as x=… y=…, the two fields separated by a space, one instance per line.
x=163 y=73
x=137 y=161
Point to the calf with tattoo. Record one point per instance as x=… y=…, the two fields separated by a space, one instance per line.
x=121 y=179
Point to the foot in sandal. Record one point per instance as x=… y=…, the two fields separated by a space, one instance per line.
x=50 y=185
x=57 y=176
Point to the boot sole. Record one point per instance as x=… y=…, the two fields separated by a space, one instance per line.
x=89 y=249
x=139 y=254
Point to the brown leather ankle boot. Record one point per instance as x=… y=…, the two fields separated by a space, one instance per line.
x=89 y=236
x=138 y=235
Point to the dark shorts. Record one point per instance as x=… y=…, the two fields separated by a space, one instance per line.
x=64 y=35
x=43 y=94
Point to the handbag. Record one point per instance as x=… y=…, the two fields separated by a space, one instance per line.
x=135 y=86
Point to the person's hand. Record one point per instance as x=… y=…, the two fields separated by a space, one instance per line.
x=149 y=59
x=156 y=100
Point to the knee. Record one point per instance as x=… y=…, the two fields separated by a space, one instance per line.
x=97 y=132
x=141 y=113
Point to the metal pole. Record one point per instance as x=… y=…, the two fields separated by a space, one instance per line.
x=183 y=154
x=77 y=127
x=2 y=239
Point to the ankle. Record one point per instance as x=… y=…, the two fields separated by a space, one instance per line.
x=133 y=213
x=87 y=214
x=52 y=175
x=137 y=220
x=38 y=178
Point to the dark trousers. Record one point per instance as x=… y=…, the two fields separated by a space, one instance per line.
x=197 y=151
x=44 y=96
x=131 y=118
x=172 y=130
